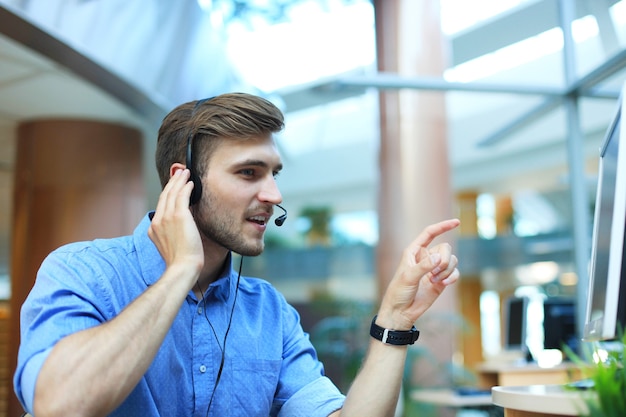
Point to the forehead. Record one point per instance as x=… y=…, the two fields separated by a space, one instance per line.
x=262 y=150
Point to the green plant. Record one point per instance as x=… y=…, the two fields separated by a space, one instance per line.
x=319 y=218
x=608 y=374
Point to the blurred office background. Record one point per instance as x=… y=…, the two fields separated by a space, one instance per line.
x=399 y=113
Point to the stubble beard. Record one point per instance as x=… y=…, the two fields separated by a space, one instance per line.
x=218 y=225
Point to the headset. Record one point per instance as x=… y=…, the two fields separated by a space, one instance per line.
x=196 y=193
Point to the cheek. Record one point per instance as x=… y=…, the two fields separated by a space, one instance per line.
x=221 y=203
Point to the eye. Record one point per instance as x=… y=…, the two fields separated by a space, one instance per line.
x=247 y=172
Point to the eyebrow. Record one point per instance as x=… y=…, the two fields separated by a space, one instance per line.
x=259 y=163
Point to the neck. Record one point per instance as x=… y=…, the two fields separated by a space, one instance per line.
x=216 y=259
x=200 y=289
x=211 y=274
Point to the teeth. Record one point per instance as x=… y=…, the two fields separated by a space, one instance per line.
x=259 y=219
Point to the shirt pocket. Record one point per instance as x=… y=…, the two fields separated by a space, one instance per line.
x=255 y=382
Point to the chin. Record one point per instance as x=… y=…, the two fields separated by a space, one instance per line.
x=251 y=250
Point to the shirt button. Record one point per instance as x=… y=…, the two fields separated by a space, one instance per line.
x=202 y=368
x=199 y=310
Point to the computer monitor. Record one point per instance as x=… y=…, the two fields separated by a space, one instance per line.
x=515 y=316
x=559 y=323
x=606 y=304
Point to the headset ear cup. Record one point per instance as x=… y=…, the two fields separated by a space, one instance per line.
x=196 y=193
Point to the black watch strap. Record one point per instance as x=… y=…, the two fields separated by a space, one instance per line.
x=393 y=337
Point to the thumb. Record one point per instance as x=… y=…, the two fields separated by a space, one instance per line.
x=428 y=261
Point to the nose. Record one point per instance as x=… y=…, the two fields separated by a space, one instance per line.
x=270 y=192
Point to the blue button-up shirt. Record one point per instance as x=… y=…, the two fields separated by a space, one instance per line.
x=270 y=366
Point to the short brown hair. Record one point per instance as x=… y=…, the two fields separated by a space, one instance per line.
x=227 y=116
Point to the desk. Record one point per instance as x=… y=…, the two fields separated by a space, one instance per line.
x=491 y=375
x=449 y=398
x=540 y=401
x=452 y=400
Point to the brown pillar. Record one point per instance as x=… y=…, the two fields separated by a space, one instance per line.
x=504 y=227
x=414 y=172
x=470 y=287
x=504 y=215
x=74 y=180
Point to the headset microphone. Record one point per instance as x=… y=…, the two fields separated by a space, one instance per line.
x=280 y=219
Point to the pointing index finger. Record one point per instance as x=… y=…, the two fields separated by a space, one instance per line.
x=433 y=231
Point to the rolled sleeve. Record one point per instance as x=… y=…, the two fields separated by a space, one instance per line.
x=26 y=380
x=319 y=398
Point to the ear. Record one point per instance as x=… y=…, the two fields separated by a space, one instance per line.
x=176 y=167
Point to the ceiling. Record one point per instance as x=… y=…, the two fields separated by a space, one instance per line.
x=34 y=87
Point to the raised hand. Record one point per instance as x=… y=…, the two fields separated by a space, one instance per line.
x=173 y=229
x=421 y=276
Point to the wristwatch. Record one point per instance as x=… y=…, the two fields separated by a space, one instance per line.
x=393 y=337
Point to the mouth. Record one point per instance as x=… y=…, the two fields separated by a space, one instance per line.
x=260 y=220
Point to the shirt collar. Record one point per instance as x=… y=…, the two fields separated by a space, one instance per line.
x=150 y=261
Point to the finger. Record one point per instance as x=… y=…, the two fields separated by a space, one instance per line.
x=433 y=231
x=184 y=192
x=441 y=273
x=172 y=190
x=428 y=262
x=452 y=278
x=162 y=202
x=445 y=251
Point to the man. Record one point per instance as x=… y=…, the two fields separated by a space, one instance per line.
x=160 y=323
